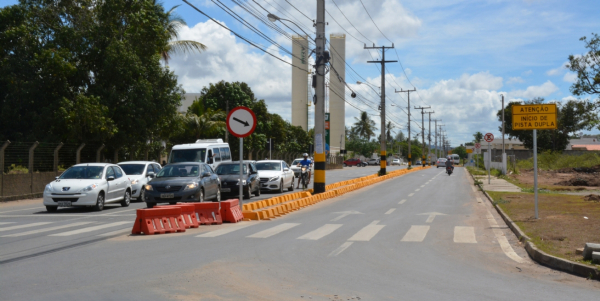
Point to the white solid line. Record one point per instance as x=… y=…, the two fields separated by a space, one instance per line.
x=416 y=233
x=226 y=230
x=504 y=244
x=274 y=230
x=368 y=232
x=23 y=226
x=6 y=223
x=390 y=211
x=411 y=194
x=120 y=231
x=402 y=202
x=90 y=229
x=47 y=229
x=464 y=235
x=321 y=232
x=430 y=218
x=340 y=249
x=23 y=209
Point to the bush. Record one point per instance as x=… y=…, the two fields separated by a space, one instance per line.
x=555 y=161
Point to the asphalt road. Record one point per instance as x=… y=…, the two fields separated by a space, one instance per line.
x=422 y=236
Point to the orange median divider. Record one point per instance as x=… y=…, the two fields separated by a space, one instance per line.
x=158 y=221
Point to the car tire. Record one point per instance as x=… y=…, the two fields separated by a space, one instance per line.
x=280 y=187
x=291 y=188
x=51 y=208
x=150 y=205
x=99 y=202
x=201 y=197
x=142 y=196
x=247 y=195
x=345 y=165
x=218 y=197
x=126 y=198
x=257 y=192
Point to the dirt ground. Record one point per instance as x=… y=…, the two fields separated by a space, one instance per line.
x=566 y=222
x=563 y=179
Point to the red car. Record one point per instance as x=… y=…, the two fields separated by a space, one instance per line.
x=354 y=162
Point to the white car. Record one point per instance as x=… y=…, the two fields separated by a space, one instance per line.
x=88 y=184
x=396 y=162
x=275 y=175
x=296 y=169
x=139 y=172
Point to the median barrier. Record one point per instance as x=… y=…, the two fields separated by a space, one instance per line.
x=188 y=214
x=208 y=213
x=158 y=221
x=230 y=211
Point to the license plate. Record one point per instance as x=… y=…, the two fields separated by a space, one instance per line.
x=64 y=204
x=167 y=195
x=225 y=190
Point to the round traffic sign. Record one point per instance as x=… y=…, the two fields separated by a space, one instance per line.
x=241 y=122
x=488 y=137
x=477 y=145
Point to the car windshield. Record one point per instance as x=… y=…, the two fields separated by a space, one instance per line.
x=83 y=172
x=443 y=160
x=133 y=169
x=179 y=170
x=296 y=162
x=268 y=166
x=230 y=169
x=187 y=155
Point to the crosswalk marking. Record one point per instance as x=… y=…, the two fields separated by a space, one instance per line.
x=274 y=230
x=416 y=233
x=430 y=218
x=340 y=249
x=411 y=194
x=464 y=235
x=226 y=230
x=90 y=229
x=6 y=223
x=23 y=226
x=390 y=211
x=401 y=202
x=47 y=229
x=417 y=189
x=422 y=186
x=368 y=232
x=117 y=232
x=320 y=232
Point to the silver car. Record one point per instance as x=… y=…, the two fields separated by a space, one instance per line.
x=139 y=172
x=88 y=185
x=441 y=162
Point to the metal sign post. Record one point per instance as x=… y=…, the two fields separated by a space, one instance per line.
x=489 y=137
x=241 y=122
x=535 y=171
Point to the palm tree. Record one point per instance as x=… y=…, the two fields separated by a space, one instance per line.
x=176 y=46
x=205 y=123
x=364 y=126
x=389 y=127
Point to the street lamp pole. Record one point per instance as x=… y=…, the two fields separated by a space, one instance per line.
x=321 y=60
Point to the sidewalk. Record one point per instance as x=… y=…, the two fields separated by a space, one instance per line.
x=497 y=184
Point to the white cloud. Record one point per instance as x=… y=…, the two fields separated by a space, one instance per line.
x=543 y=90
x=515 y=80
x=558 y=70
x=570 y=77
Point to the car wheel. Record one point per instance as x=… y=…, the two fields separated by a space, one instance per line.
x=257 y=193
x=51 y=208
x=142 y=195
x=150 y=205
x=126 y=199
x=281 y=187
x=291 y=188
x=247 y=195
x=345 y=165
x=201 y=197
x=218 y=197
x=99 y=202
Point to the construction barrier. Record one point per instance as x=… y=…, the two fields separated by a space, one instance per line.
x=188 y=214
x=208 y=213
x=230 y=211
x=158 y=221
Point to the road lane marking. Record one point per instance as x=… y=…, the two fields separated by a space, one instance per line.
x=464 y=235
x=402 y=202
x=390 y=211
x=430 y=218
x=117 y=232
x=320 y=232
x=274 y=230
x=6 y=223
x=227 y=230
x=34 y=208
x=416 y=233
x=422 y=186
x=368 y=232
x=90 y=229
x=23 y=226
x=340 y=249
x=504 y=244
x=411 y=194
x=47 y=229
x=417 y=189
x=473 y=187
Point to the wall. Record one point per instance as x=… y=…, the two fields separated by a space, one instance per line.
x=22 y=186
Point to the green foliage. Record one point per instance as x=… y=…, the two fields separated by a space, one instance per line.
x=364 y=127
x=461 y=151
x=362 y=147
x=555 y=161
x=477 y=137
x=587 y=67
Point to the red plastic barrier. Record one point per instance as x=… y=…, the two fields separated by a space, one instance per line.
x=188 y=214
x=158 y=221
x=208 y=213
x=230 y=210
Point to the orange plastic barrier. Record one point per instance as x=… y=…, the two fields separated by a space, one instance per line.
x=208 y=213
x=188 y=214
x=230 y=211
x=158 y=221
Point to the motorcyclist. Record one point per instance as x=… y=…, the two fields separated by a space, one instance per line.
x=449 y=163
x=308 y=163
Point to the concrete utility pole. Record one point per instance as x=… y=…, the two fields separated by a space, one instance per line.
x=422 y=133
x=408 y=94
x=503 y=150
x=429 y=139
x=383 y=159
x=436 y=137
x=321 y=60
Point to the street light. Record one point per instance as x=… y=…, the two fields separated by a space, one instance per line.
x=273 y=18
x=371 y=86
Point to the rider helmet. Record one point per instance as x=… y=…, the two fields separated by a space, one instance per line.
x=449 y=157
x=305 y=155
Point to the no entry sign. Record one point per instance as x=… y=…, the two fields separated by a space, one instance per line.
x=241 y=122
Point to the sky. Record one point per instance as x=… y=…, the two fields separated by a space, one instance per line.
x=460 y=55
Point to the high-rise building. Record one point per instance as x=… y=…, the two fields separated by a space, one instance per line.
x=300 y=99
x=337 y=102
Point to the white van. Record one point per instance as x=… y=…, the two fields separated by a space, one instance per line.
x=210 y=151
x=455 y=159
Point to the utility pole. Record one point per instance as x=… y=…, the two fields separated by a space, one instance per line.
x=383 y=159
x=321 y=59
x=408 y=94
x=436 y=136
x=422 y=133
x=429 y=139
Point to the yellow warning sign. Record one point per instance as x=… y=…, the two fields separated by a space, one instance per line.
x=534 y=117
x=469 y=151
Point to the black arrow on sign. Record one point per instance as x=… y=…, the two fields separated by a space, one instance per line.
x=245 y=123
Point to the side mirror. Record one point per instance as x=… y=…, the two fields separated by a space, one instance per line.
x=206 y=174
x=150 y=174
x=56 y=178
x=286 y=169
x=111 y=178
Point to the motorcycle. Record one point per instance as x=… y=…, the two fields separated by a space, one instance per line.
x=304 y=176
x=449 y=170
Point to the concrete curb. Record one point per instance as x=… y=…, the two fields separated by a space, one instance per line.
x=21 y=197
x=539 y=256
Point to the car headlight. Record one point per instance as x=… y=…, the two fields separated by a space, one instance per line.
x=90 y=188
x=191 y=186
x=148 y=187
x=275 y=178
x=48 y=188
x=135 y=182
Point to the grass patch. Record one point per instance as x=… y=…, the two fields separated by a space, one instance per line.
x=555 y=161
x=475 y=171
x=561 y=227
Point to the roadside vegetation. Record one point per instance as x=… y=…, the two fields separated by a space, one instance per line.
x=557 y=161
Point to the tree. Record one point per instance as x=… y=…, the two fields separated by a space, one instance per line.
x=477 y=137
x=461 y=151
x=587 y=67
x=400 y=136
x=205 y=122
x=572 y=116
x=176 y=46
x=364 y=126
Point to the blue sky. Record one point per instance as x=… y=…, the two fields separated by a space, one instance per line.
x=459 y=54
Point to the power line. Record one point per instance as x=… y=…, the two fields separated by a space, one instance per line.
x=349 y=21
x=299 y=11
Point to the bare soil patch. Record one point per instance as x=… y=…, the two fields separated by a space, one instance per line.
x=592 y=198
x=566 y=179
x=566 y=222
